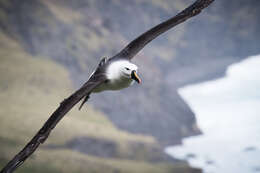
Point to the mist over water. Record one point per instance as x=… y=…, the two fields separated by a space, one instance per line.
x=228 y=113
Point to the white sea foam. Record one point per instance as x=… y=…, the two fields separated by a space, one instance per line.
x=228 y=113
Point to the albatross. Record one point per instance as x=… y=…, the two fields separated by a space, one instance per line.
x=113 y=73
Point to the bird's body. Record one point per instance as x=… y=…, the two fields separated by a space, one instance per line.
x=113 y=74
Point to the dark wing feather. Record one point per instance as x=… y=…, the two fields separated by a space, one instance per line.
x=65 y=106
x=136 y=45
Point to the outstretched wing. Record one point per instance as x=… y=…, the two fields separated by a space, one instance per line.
x=136 y=45
x=64 y=107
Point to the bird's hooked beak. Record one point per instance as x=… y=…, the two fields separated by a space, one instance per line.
x=135 y=77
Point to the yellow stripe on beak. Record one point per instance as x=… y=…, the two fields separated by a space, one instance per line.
x=135 y=77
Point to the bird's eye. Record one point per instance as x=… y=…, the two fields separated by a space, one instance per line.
x=127 y=68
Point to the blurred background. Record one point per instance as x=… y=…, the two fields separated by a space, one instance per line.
x=194 y=112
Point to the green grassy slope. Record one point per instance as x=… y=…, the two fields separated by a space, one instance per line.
x=30 y=90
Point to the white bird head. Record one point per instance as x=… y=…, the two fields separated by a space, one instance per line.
x=123 y=69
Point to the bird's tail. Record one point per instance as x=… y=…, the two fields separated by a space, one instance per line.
x=84 y=101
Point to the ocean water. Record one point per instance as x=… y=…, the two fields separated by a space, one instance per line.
x=228 y=113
